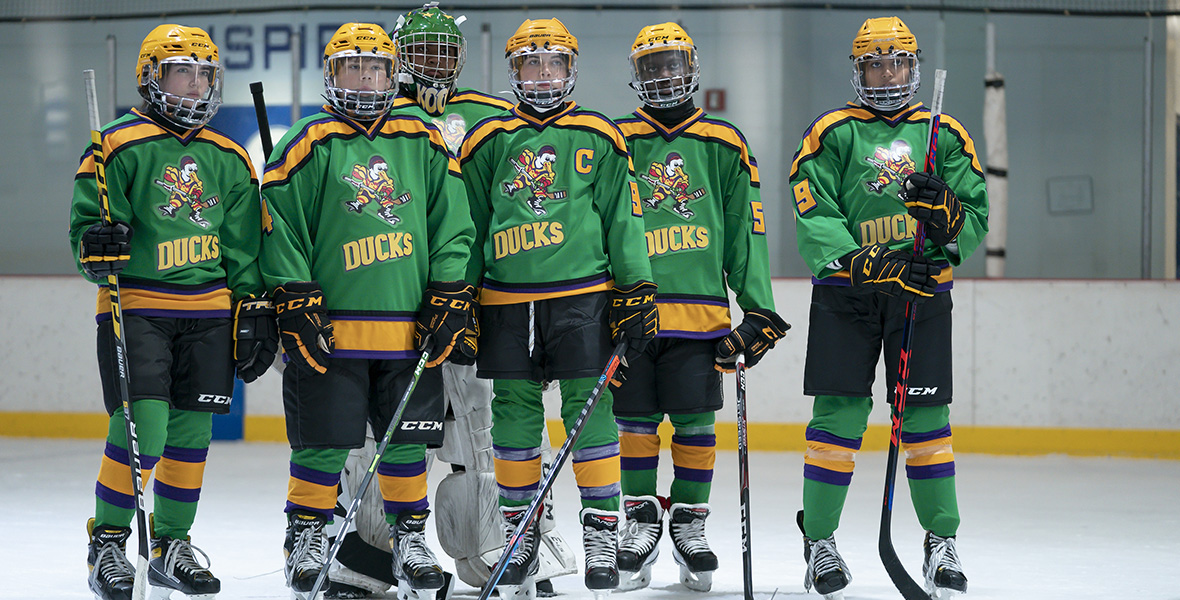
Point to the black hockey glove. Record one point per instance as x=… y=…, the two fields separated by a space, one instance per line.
x=759 y=331
x=632 y=316
x=304 y=328
x=929 y=200
x=894 y=272
x=256 y=337
x=105 y=249
x=468 y=347
x=446 y=311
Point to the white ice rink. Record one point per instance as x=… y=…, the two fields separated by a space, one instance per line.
x=1033 y=528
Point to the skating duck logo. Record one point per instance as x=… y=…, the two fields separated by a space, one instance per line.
x=374 y=186
x=185 y=188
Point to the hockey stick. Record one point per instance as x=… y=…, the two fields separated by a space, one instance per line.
x=905 y=584
x=263 y=120
x=355 y=505
x=547 y=482
x=744 y=476
x=104 y=213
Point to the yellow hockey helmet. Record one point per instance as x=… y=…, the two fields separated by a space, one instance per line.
x=359 y=65
x=548 y=53
x=664 y=65
x=885 y=63
x=179 y=75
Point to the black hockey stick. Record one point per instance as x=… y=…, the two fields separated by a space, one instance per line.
x=905 y=584
x=104 y=212
x=744 y=476
x=263 y=120
x=558 y=460
x=355 y=505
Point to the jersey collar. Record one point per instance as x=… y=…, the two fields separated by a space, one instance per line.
x=670 y=134
x=540 y=121
x=367 y=128
x=184 y=135
x=892 y=118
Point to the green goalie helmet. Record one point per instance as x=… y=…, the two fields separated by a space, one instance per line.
x=432 y=51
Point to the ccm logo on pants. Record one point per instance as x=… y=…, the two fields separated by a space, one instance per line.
x=213 y=399
x=421 y=426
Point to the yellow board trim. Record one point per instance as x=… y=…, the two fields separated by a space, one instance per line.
x=763 y=437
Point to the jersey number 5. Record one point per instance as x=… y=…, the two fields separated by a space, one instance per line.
x=759 y=220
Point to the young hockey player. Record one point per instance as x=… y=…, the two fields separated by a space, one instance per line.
x=698 y=185
x=431 y=52
x=559 y=251
x=859 y=192
x=183 y=241
x=366 y=242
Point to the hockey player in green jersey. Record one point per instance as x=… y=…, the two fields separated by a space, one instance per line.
x=431 y=51
x=184 y=242
x=366 y=240
x=858 y=199
x=560 y=256
x=698 y=185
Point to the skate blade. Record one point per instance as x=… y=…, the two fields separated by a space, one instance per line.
x=836 y=595
x=524 y=591
x=630 y=581
x=700 y=581
x=601 y=594
x=297 y=595
x=944 y=593
x=165 y=593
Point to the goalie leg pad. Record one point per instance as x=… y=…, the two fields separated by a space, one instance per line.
x=468 y=521
x=468 y=439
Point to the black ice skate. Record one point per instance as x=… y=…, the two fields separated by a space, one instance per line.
x=600 y=538
x=639 y=541
x=414 y=565
x=112 y=577
x=195 y=217
x=683 y=210
x=686 y=527
x=519 y=579
x=386 y=213
x=944 y=574
x=305 y=549
x=174 y=568
x=168 y=210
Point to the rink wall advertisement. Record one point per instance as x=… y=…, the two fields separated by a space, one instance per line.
x=1040 y=366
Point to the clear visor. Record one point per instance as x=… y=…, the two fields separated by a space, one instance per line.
x=359 y=85
x=543 y=78
x=185 y=91
x=665 y=78
x=435 y=59
x=886 y=82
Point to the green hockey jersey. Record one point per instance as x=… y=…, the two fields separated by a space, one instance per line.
x=846 y=180
x=464 y=109
x=192 y=201
x=373 y=212
x=555 y=206
x=699 y=188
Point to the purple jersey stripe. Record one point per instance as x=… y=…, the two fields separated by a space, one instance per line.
x=117 y=499
x=402 y=470
x=313 y=476
x=639 y=463
x=394 y=508
x=695 y=440
x=176 y=494
x=697 y=475
x=828 y=476
x=376 y=354
x=930 y=471
x=299 y=508
x=816 y=435
x=188 y=455
x=917 y=438
x=693 y=335
x=119 y=455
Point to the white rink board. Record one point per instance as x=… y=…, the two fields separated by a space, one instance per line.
x=1028 y=353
